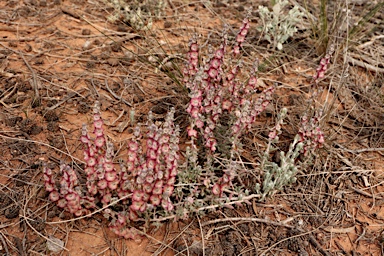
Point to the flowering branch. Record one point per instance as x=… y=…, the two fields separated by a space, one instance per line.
x=143 y=183
x=150 y=182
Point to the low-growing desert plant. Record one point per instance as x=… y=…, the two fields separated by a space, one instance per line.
x=138 y=14
x=277 y=25
x=143 y=182
x=156 y=181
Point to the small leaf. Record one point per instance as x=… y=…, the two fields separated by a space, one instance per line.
x=268 y=38
x=276 y=9
x=54 y=244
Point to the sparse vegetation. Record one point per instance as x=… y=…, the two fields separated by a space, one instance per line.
x=202 y=140
x=221 y=111
x=277 y=25
x=137 y=14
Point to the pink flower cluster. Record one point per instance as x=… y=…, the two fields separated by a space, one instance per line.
x=276 y=130
x=214 y=90
x=240 y=38
x=120 y=225
x=226 y=180
x=324 y=62
x=310 y=133
x=102 y=177
x=69 y=196
x=149 y=179
x=205 y=106
x=250 y=110
x=155 y=177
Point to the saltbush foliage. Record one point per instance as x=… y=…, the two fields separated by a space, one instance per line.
x=277 y=26
x=138 y=14
x=156 y=180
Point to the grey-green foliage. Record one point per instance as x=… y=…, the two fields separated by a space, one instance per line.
x=139 y=14
x=277 y=176
x=278 y=26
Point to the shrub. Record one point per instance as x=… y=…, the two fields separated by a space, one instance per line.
x=278 y=26
x=158 y=183
x=142 y=183
x=138 y=14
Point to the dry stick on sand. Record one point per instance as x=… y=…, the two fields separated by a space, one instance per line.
x=362 y=64
x=4 y=244
x=211 y=207
x=115 y=95
x=74 y=159
x=167 y=246
x=312 y=239
x=92 y=213
x=274 y=223
x=359 y=150
x=265 y=221
x=7 y=96
x=27 y=219
x=34 y=83
x=70 y=95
